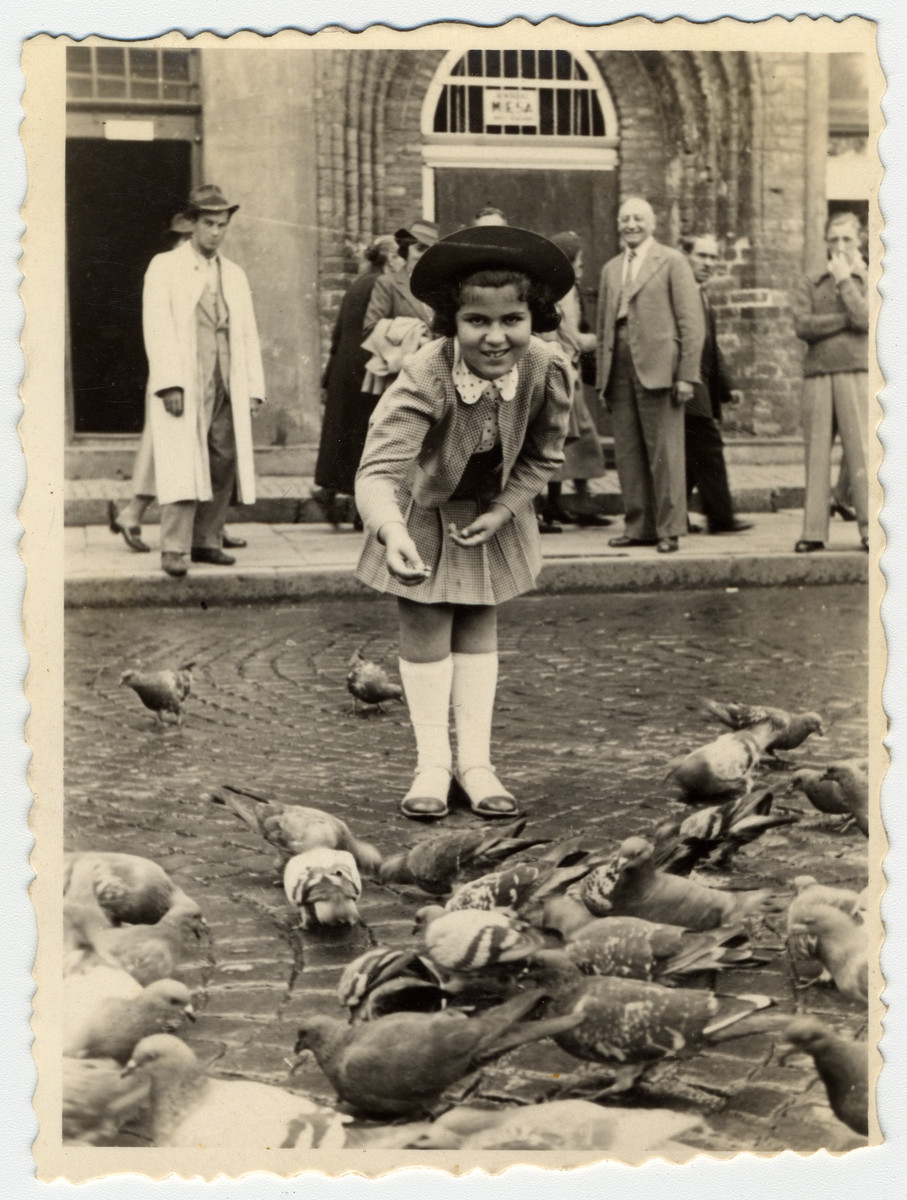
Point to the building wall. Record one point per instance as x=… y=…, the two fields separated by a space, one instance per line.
x=259 y=145
x=715 y=141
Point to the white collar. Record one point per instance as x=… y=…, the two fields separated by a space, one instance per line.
x=639 y=252
x=208 y=263
x=471 y=386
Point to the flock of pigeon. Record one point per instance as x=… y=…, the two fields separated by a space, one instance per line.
x=616 y=956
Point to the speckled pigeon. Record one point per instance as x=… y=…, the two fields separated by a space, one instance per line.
x=438 y=862
x=402 y=1063
x=843 y=1066
x=634 y=887
x=294 y=828
x=162 y=691
x=190 y=1108
x=791 y=729
x=632 y=1021
x=636 y=949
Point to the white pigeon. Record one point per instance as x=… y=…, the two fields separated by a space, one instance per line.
x=324 y=885
x=190 y=1108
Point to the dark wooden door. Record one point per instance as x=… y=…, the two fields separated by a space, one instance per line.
x=120 y=196
x=545 y=201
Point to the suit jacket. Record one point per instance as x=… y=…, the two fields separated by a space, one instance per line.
x=421 y=434
x=664 y=319
x=391 y=297
x=714 y=388
x=174 y=283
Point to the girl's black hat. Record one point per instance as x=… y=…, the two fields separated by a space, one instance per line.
x=488 y=248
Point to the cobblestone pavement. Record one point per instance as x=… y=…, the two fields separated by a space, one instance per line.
x=596 y=695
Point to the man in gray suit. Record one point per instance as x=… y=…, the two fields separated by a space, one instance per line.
x=650 y=335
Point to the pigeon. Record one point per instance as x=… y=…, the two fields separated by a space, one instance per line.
x=401 y=1064
x=632 y=1021
x=190 y=1108
x=853 y=781
x=825 y=795
x=292 y=828
x=713 y=835
x=632 y=948
x=147 y=952
x=130 y=890
x=435 y=863
x=524 y=885
x=634 y=887
x=382 y=981
x=840 y=946
x=474 y=940
x=843 y=1067
x=810 y=892
x=369 y=683
x=98 y=1100
x=111 y=1028
x=631 y=1135
x=791 y=729
x=324 y=885
x=723 y=767
x=162 y=691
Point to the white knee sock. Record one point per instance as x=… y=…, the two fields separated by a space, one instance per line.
x=427 y=689
x=475 y=681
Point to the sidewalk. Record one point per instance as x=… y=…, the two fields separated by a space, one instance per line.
x=295 y=562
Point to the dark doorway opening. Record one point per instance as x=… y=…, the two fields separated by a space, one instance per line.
x=120 y=197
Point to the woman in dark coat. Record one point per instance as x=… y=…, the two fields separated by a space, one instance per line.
x=346 y=407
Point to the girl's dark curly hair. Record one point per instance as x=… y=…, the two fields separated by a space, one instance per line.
x=447 y=301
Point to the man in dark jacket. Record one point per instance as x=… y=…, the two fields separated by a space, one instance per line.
x=705 y=467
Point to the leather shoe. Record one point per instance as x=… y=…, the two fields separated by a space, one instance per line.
x=491 y=801
x=233 y=543
x=693 y=528
x=217 y=558
x=133 y=534
x=173 y=563
x=737 y=527
x=668 y=545
x=425 y=807
x=623 y=540
x=596 y=520
x=842 y=510
x=548 y=526
x=805 y=547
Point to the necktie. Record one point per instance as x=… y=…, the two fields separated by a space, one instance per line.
x=626 y=286
x=488 y=407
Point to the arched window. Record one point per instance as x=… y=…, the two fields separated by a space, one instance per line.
x=519 y=93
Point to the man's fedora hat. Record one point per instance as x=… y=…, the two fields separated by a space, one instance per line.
x=424 y=232
x=490 y=247
x=207 y=197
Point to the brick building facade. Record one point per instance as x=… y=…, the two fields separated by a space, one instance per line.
x=325 y=148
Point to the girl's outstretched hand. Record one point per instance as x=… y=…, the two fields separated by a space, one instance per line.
x=403 y=559
x=485 y=526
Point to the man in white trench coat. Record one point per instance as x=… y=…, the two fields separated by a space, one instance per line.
x=205 y=377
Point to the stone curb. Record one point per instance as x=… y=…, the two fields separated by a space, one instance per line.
x=614 y=573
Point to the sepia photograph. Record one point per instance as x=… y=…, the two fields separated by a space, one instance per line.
x=452 y=535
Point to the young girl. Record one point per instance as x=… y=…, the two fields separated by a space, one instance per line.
x=456 y=452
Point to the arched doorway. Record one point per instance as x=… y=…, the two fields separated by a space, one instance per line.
x=532 y=132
